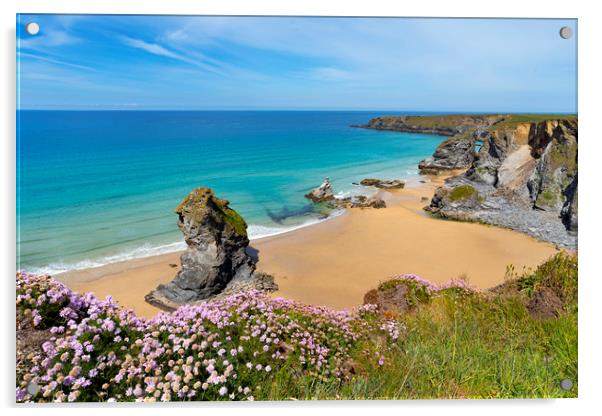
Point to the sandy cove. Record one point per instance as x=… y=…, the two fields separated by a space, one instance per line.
x=336 y=262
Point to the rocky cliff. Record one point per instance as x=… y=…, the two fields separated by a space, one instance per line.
x=520 y=169
x=523 y=176
x=216 y=258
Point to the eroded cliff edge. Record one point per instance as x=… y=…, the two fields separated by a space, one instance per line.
x=520 y=170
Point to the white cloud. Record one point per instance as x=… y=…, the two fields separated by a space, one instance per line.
x=150 y=47
x=177 y=35
x=156 y=49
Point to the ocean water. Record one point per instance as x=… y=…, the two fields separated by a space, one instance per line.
x=95 y=187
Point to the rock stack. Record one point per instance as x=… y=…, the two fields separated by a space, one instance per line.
x=216 y=256
x=322 y=193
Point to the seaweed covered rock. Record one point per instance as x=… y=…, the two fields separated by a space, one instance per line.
x=217 y=241
x=359 y=201
x=452 y=202
x=383 y=183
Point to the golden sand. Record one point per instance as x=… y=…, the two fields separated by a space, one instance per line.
x=336 y=262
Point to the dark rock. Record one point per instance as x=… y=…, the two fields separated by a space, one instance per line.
x=556 y=168
x=390 y=300
x=359 y=201
x=323 y=193
x=383 y=183
x=489 y=159
x=217 y=240
x=455 y=199
x=545 y=303
x=569 y=210
x=453 y=153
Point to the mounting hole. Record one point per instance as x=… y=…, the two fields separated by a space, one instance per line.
x=33 y=388
x=566 y=32
x=32 y=28
x=566 y=384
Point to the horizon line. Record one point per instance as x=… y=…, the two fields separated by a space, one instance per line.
x=292 y=109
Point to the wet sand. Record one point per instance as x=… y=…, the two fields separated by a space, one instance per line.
x=336 y=262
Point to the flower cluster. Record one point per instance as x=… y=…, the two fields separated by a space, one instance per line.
x=223 y=349
x=434 y=288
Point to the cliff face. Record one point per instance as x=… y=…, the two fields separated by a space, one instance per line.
x=521 y=169
x=525 y=167
x=537 y=161
x=556 y=168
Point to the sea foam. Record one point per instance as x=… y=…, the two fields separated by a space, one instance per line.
x=255 y=232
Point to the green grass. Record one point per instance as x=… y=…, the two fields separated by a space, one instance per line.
x=516 y=119
x=195 y=202
x=231 y=217
x=462 y=192
x=473 y=348
x=466 y=345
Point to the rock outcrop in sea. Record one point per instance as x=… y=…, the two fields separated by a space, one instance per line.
x=324 y=194
x=383 y=183
x=217 y=257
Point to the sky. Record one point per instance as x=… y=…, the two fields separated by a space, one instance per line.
x=266 y=63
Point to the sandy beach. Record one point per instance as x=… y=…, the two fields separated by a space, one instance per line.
x=336 y=262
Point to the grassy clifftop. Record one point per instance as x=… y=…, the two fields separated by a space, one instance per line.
x=453 y=124
x=513 y=120
x=448 y=341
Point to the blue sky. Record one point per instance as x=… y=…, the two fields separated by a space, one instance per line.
x=186 y=62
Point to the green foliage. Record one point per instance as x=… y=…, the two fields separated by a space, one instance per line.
x=514 y=120
x=195 y=205
x=474 y=345
x=231 y=217
x=463 y=192
x=558 y=273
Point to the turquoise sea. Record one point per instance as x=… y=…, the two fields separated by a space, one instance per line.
x=95 y=187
